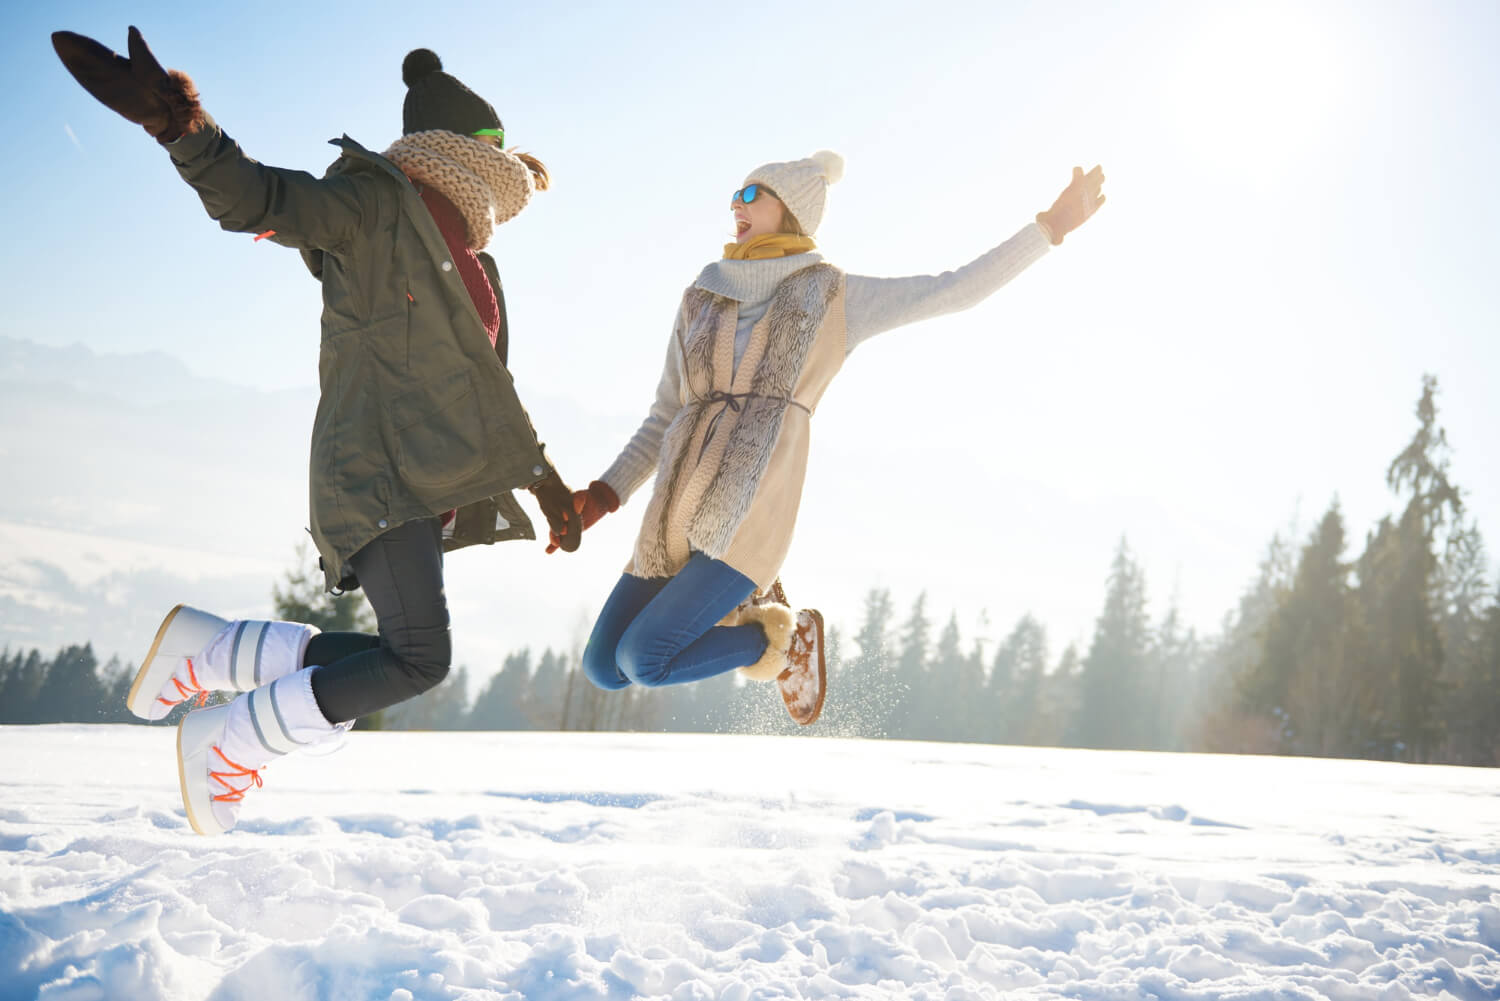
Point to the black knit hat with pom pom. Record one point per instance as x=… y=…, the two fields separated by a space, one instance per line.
x=436 y=100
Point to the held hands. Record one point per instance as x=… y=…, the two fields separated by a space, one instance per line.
x=1079 y=200
x=164 y=103
x=556 y=501
x=591 y=504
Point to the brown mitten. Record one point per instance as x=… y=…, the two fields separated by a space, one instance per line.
x=556 y=501
x=591 y=504
x=164 y=103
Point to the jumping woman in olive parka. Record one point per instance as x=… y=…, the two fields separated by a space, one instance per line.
x=419 y=435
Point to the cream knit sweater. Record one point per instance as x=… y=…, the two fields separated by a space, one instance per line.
x=873 y=306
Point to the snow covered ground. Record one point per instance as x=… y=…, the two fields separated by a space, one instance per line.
x=572 y=866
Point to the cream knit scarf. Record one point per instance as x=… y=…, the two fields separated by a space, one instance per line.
x=479 y=179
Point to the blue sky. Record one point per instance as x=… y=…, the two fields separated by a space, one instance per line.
x=1300 y=224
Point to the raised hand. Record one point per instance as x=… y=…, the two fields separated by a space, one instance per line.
x=164 y=103
x=591 y=504
x=1079 y=200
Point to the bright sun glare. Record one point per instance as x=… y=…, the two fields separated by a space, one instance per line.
x=1254 y=89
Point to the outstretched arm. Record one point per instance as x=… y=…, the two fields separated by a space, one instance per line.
x=243 y=195
x=875 y=305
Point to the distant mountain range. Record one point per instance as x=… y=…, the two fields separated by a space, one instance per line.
x=126 y=477
x=131 y=484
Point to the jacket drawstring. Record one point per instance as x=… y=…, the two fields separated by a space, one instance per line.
x=731 y=401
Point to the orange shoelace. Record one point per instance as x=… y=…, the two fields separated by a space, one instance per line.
x=190 y=690
x=240 y=771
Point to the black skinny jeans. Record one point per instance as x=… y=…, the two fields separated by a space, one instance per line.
x=358 y=674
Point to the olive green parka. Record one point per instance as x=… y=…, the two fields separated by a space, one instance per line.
x=417 y=413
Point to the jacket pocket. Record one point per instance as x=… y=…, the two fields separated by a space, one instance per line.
x=439 y=433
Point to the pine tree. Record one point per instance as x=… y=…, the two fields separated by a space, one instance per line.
x=116 y=678
x=950 y=690
x=1484 y=736
x=71 y=691
x=1223 y=723
x=22 y=683
x=1398 y=586
x=1113 y=712
x=502 y=703
x=1309 y=674
x=7 y=665
x=442 y=707
x=1000 y=686
x=1173 y=660
x=975 y=704
x=1061 y=699
x=1015 y=690
x=871 y=700
x=916 y=716
x=549 y=687
x=303 y=598
x=1464 y=608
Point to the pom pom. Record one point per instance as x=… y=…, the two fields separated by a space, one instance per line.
x=419 y=63
x=830 y=163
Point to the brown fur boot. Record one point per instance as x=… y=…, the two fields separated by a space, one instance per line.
x=804 y=683
x=777 y=621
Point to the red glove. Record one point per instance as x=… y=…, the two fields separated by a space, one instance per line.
x=591 y=504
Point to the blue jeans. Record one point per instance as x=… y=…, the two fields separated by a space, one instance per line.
x=661 y=630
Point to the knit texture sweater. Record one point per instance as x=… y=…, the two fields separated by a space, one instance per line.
x=873 y=306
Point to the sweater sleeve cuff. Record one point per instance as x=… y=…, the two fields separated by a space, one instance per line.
x=1042 y=239
x=624 y=478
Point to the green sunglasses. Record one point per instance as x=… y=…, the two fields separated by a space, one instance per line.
x=491 y=132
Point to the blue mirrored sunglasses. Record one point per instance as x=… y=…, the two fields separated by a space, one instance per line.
x=747 y=194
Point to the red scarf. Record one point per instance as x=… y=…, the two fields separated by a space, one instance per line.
x=451 y=223
x=455 y=234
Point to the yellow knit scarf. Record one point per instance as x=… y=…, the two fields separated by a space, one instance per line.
x=769 y=245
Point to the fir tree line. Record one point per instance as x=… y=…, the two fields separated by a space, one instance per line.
x=1390 y=654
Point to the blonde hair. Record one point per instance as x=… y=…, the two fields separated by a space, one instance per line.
x=789 y=223
x=541 y=179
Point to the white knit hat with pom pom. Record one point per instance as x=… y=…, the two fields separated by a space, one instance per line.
x=802 y=185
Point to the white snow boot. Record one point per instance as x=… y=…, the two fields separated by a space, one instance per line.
x=221 y=750
x=196 y=652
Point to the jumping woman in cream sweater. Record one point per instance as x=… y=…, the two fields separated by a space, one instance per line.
x=759 y=336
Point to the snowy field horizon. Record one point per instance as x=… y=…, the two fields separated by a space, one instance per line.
x=540 y=866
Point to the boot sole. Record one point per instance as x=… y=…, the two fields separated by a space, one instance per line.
x=191 y=732
x=145 y=680
x=817 y=709
x=822 y=674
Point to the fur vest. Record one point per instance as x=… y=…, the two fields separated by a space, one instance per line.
x=733 y=460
